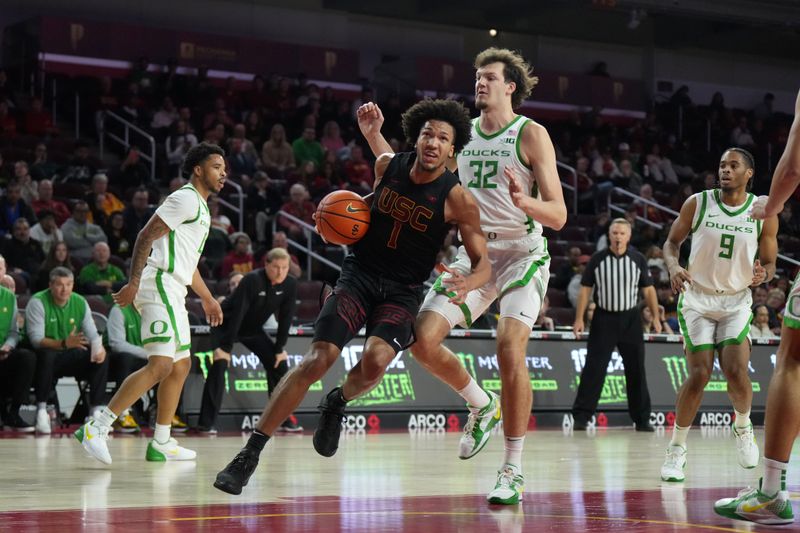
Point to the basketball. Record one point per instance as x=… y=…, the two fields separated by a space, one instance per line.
x=342 y=217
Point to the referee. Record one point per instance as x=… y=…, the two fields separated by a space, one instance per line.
x=614 y=277
x=260 y=294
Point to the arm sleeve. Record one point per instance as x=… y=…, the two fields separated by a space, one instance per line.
x=34 y=321
x=180 y=206
x=645 y=279
x=239 y=305
x=88 y=327
x=285 y=315
x=12 y=335
x=116 y=335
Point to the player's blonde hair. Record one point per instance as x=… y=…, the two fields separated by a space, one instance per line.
x=277 y=253
x=515 y=69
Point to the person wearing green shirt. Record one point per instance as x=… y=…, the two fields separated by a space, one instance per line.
x=61 y=330
x=307 y=148
x=17 y=365
x=100 y=276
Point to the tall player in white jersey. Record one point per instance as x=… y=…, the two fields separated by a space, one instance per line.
x=176 y=234
x=510 y=168
x=769 y=503
x=731 y=252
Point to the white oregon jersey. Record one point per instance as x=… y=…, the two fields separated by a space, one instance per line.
x=189 y=221
x=480 y=169
x=724 y=243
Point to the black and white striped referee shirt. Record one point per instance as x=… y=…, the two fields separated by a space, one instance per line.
x=617 y=279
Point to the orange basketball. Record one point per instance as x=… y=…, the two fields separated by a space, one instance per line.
x=342 y=217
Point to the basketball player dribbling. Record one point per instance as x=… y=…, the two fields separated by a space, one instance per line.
x=176 y=234
x=416 y=199
x=730 y=253
x=510 y=167
x=769 y=503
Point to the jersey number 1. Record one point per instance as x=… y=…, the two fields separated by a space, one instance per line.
x=726 y=243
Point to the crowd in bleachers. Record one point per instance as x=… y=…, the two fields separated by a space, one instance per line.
x=289 y=142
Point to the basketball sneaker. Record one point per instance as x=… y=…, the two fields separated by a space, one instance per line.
x=43 y=421
x=509 y=487
x=236 y=475
x=674 y=463
x=178 y=425
x=94 y=439
x=169 y=451
x=290 y=425
x=755 y=506
x=479 y=426
x=16 y=423
x=126 y=424
x=746 y=447
x=326 y=436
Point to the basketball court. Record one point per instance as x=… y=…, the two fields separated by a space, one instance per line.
x=600 y=480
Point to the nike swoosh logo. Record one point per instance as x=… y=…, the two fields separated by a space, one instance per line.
x=751 y=509
x=278 y=293
x=351 y=209
x=397 y=342
x=712 y=216
x=523 y=314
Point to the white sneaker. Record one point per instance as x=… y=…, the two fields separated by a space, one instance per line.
x=674 y=463
x=169 y=451
x=509 y=488
x=94 y=439
x=479 y=426
x=746 y=446
x=43 y=422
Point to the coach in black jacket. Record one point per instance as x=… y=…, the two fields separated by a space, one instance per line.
x=261 y=293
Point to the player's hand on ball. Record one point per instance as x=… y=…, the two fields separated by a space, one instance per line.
x=678 y=278
x=759 y=274
x=456 y=282
x=213 y=311
x=125 y=295
x=370 y=119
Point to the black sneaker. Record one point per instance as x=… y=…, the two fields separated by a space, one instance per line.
x=236 y=475
x=326 y=436
x=579 y=424
x=16 y=423
x=206 y=430
x=646 y=427
x=290 y=425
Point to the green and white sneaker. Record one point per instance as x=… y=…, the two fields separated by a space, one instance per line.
x=479 y=426
x=746 y=447
x=674 y=463
x=509 y=487
x=169 y=451
x=755 y=506
x=94 y=439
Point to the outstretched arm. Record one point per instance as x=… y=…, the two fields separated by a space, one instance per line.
x=370 y=120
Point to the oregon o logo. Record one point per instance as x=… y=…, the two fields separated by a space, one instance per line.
x=158 y=327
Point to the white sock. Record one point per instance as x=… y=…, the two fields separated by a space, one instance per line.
x=513 y=454
x=475 y=395
x=774 y=477
x=105 y=417
x=679 y=435
x=161 y=434
x=742 y=419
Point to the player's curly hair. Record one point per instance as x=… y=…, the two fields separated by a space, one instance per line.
x=450 y=111
x=515 y=69
x=196 y=155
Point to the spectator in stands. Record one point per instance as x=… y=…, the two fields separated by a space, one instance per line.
x=38 y=121
x=331 y=139
x=741 y=135
x=99 y=276
x=126 y=354
x=79 y=234
x=170 y=83
x=280 y=240
x=8 y=282
x=8 y=124
x=760 y=296
x=776 y=299
x=46 y=232
x=299 y=206
x=605 y=165
x=137 y=213
x=258 y=96
x=141 y=76
x=17 y=365
x=358 y=171
x=110 y=202
x=24 y=255
x=218 y=116
x=263 y=202
x=118 y=236
x=543 y=321
x=254 y=128
x=277 y=154
x=628 y=178
x=29 y=188
x=46 y=202
x=240 y=258
x=13 y=207
x=655 y=262
x=58 y=256
x=176 y=183
x=647 y=320
x=574 y=285
x=233 y=281
x=566 y=271
x=81 y=167
x=131 y=171
x=324 y=182
x=42 y=168
x=240 y=132
x=164 y=117
x=242 y=163
x=219 y=220
x=648 y=211
x=763 y=111
x=178 y=144
x=60 y=328
x=307 y=148
x=659 y=167
x=760 y=325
